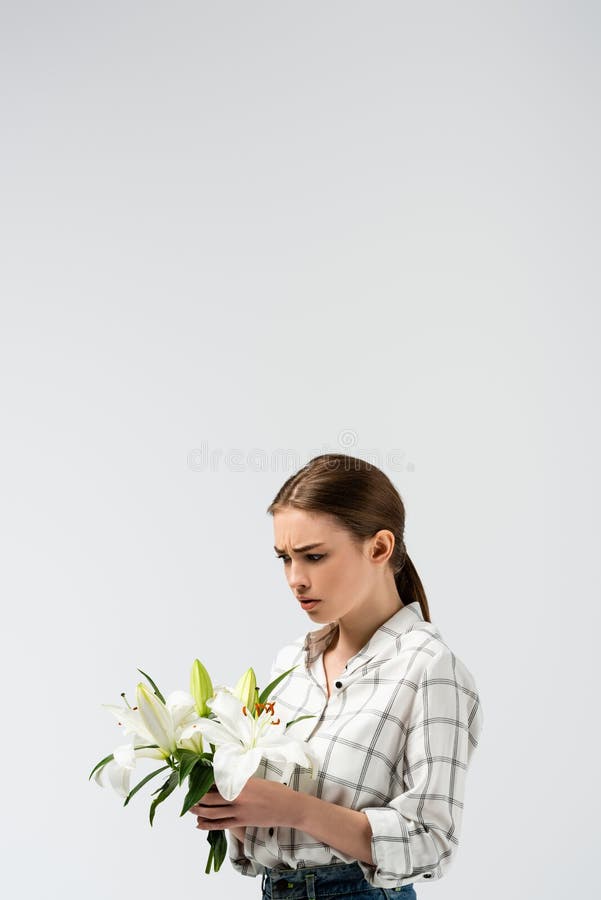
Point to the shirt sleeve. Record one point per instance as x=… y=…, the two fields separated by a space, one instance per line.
x=238 y=855
x=415 y=835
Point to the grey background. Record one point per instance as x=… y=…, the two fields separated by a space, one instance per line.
x=252 y=232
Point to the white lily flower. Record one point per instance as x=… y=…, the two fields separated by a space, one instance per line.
x=119 y=769
x=158 y=723
x=241 y=741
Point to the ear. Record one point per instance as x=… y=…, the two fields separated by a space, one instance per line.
x=382 y=546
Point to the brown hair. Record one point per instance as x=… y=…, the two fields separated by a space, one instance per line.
x=363 y=500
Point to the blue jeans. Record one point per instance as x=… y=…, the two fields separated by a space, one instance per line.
x=342 y=881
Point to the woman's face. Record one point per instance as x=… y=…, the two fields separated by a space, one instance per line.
x=337 y=572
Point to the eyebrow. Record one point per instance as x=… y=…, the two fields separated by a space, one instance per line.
x=300 y=549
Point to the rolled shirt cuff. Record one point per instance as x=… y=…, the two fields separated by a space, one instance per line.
x=394 y=857
x=238 y=859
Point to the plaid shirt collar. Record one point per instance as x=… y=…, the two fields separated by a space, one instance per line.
x=380 y=644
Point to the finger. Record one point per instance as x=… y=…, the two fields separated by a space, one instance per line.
x=214 y=824
x=211 y=816
x=210 y=813
x=215 y=802
x=212 y=798
x=201 y=805
x=200 y=809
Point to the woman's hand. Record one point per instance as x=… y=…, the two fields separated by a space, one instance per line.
x=260 y=803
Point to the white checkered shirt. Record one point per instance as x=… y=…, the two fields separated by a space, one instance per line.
x=394 y=740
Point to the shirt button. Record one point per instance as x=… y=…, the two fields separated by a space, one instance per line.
x=338 y=684
x=271 y=832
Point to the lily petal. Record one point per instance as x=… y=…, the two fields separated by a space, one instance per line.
x=131 y=720
x=193 y=743
x=213 y=731
x=99 y=775
x=157 y=718
x=233 y=766
x=228 y=709
x=292 y=752
x=119 y=778
x=180 y=705
x=150 y=753
x=125 y=756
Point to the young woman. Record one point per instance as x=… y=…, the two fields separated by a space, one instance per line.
x=395 y=714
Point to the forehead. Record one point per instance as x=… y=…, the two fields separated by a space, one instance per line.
x=296 y=527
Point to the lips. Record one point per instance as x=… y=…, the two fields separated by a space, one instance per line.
x=308 y=604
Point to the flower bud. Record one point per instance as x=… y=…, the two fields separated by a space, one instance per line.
x=246 y=690
x=201 y=687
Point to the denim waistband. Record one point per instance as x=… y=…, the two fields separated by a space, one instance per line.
x=310 y=882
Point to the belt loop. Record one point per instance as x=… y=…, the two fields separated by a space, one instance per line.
x=310 y=882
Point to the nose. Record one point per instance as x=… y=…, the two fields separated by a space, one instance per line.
x=297 y=578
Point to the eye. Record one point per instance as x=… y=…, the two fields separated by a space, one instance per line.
x=312 y=557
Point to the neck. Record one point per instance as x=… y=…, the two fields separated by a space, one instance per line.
x=357 y=626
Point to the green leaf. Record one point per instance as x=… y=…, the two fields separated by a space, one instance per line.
x=220 y=849
x=167 y=788
x=266 y=691
x=180 y=754
x=153 y=686
x=142 y=783
x=201 y=778
x=102 y=763
x=288 y=724
x=189 y=761
x=218 y=842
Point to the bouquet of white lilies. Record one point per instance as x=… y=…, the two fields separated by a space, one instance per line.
x=239 y=724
